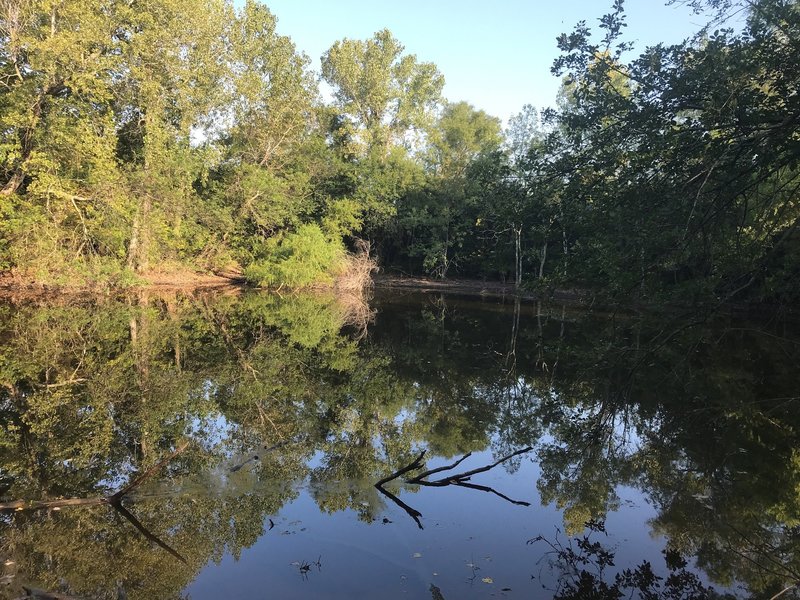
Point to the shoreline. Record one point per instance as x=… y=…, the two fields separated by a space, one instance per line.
x=473 y=287
x=189 y=281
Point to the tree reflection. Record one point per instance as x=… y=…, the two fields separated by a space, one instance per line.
x=703 y=419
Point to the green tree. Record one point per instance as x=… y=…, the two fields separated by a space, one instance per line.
x=386 y=94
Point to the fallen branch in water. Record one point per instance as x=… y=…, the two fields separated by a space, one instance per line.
x=428 y=473
x=16 y=505
x=140 y=479
x=459 y=479
x=416 y=464
x=413 y=513
x=37 y=594
x=486 y=488
x=146 y=532
x=113 y=499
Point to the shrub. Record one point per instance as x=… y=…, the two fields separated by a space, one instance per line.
x=304 y=258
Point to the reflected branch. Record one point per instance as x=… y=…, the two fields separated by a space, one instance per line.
x=414 y=514
x=485 y=488
x=113 y=499
x=460 y=477
x=421 y=476
x=416 y=464
x=146 y=532
x=460 y=480
x=16 y=505
x=140 y=479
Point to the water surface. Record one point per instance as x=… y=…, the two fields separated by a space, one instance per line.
x=668 y=434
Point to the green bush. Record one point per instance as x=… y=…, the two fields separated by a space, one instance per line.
x=301 y=259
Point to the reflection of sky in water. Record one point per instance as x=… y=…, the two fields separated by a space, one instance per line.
x=211 y=431
x=395 y=559
x=346 y=433
x=468 y=534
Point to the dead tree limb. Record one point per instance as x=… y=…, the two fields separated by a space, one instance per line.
x=485 y=488
x=45 y=504
x=428 y=473
x=467 y=474
x=459 y=479
x=113 y=499
x=414 y=514
x=416 y=464
x=146 y=532
x=140 y=479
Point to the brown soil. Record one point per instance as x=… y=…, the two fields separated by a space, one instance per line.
x=190 y=280
x=15 y=285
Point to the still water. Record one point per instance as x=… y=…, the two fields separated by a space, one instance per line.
x=247 y=445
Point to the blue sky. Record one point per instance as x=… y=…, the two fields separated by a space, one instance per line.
x=495 y=55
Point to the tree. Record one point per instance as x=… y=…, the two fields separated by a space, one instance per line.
x=386 y=94
x=436 y=221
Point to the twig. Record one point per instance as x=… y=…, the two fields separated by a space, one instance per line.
x=783 y=591
x=74 y=381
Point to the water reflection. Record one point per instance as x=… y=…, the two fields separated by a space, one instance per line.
x=290 y=414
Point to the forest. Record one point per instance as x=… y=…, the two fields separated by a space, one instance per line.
x=191 y=136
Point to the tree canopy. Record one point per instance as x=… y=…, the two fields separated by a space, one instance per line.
x=192 y=135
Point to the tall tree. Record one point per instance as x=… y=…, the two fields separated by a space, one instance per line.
x=387 y=95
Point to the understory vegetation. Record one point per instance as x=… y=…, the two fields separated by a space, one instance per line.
x=190 y=135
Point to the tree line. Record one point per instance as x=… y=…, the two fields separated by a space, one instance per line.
x=164 y=135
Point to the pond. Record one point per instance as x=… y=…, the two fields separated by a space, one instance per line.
x=237 y=445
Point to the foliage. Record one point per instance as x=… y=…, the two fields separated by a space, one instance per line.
x=583 y=563
x=298 y=259
x=671 y=176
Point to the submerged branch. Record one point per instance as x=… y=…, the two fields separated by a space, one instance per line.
x=16 y=505
x=460 y=480
x=428 y=473
x=140 y=479
x=114 y=499
x=491 y=490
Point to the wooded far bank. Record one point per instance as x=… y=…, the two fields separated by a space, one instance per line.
x=187 y=135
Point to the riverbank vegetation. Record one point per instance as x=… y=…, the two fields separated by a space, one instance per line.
x=192 y=135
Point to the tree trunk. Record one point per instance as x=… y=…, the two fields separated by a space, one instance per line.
x=138 y=247
x=518 y=255
x=542 y=258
